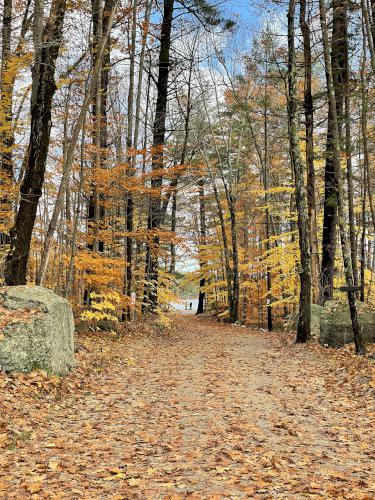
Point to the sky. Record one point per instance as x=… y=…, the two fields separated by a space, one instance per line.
x=250 y=17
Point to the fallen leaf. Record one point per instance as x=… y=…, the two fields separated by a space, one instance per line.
x=133 y=481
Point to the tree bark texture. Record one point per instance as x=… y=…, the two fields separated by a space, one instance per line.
x=43 y=90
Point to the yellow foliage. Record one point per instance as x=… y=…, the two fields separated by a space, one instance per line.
x=102 y=305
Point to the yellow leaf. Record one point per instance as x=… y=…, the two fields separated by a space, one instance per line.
x=221 y=470
x=167 y=485
x=120 y=475
x=53 y=464
x=133 y=481
x=34 y=487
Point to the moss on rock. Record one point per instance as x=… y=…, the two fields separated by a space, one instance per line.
x=38 y=330
x=336 y=325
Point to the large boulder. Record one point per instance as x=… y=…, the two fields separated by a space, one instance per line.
x=316 y=313
x=36 y=330
x=336 y=324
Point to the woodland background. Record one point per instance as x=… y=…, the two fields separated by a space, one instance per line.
x=148 y=144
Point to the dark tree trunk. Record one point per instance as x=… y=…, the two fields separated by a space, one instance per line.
x=304 y=319
x=246 y=257
x=228 y=273
x=43 y=90
x=172 y=266
x=155 y=207
x=338 y=51
x=174 y=183
x=6 y=136
x=129 y=204
x=372 y=21
x=6 y=91
x=96 y=211
x=363 y=238
x=345 y=242
x=234 y=305
x=202 y=242
x=309 y=135
x=266 y=200
x=349 y=166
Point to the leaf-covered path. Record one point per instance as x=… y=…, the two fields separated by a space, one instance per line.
x=209 y=411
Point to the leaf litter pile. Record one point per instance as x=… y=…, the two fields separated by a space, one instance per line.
x=207 y=411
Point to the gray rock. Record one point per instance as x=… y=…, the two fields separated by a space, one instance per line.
x=316 y=313
x=336 y=325
x=36 y=330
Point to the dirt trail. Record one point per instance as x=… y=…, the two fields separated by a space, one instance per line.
x=210 y=411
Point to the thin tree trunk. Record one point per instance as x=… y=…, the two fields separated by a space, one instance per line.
x=137 y=120
x=266 y=201
x=6 y=93
x=349 y=166
x=363 y=236
x=309 y=134
x=246 y=258
x=131 y=161
x=364 y=130
x=101 y=10
x=369 y=29
x=73 y=250
x=202 y=243
x=234 y=305
x=304 y=318
x=6 y=136
x=172 y=265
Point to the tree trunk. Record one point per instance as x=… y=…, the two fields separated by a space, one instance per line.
x=363 y=236
x=345 y=244
x=228 y=270
x=349 y=166
x=234 y=305
x=338 y=51
x=9 y=70
x=246 y=259
x=202 y=243
x=43 y=89
x=69 y=157
x=131 y=162
x=96 y=211
x=6 y=91
x=309 y=134
x=304 y=318
x=138 y=107
x=73 y=250
x=368 y=26
x=154 y=210
x=6 y=136
x=172 y=265
x=266 y=200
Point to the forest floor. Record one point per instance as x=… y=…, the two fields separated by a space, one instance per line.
x=206 y=411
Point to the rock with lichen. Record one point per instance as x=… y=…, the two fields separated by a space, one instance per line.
x=336 y=324
x=36 y=330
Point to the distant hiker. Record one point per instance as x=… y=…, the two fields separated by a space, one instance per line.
x=191 y=306
x=185 y=306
